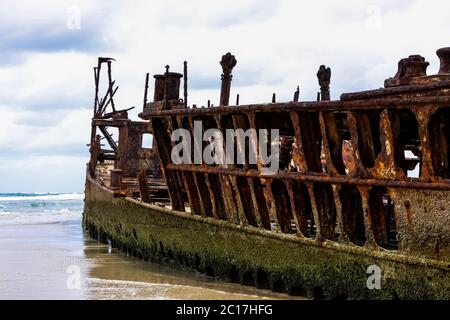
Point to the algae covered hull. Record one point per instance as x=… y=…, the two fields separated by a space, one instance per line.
x=345 y=198
x=256 y=257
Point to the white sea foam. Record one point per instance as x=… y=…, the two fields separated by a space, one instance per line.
x=30 y=218
x=45 y=197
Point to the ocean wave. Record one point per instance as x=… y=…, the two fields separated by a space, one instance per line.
x=40 y=197
x=21 y=218
x=45 y=212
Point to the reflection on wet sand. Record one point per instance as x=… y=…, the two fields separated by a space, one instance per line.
x=117 y=276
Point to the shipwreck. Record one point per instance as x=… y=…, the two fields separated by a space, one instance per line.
x=362 y=185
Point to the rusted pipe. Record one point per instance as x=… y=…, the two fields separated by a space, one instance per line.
x=320 y=178
x=228 y=62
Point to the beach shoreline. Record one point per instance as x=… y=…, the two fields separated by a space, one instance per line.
x=48 y=256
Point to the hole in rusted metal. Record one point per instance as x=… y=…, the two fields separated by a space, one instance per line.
x=245 y=193
x=283 y=206
x=185 y=124
x=197 y=262
x=369 y=143
x=336 y=130
x=192 y=189
x=318 y=293
x=214 y=181
x=233 y=274
x=147 y=141
x=326 y=208
x=242 y=122
x=407 y=149
x=439 y=127
x=161 y=249
x=262 y=204
x=226 y=122
x=309 y=126
x=209 y=271
x=203 y=189
x=279 y=286
x=302 y=202
x=283 y=123
x=348 y=157
x=297 y=290
x=383 y=218
x=248 y=279
x=262 y=280
x=352 y=214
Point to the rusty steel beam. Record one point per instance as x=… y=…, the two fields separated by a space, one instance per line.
x=185 y=84
x=146 y=89
x=108 y=138
x=311 y=106
x=313 y=177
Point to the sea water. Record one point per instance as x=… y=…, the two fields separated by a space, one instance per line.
x=40 y=208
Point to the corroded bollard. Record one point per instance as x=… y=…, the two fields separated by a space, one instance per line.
x=444 y=57
x=228 y=62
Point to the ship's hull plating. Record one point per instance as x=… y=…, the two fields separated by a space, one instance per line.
x=258 y=257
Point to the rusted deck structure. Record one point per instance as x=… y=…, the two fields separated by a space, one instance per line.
x=362 y=181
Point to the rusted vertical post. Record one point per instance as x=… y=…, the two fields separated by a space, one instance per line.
x=185 y=77
x=110 y=85
x=324 y=75
x=95 y=149
x=146 y=89
x=166 y=81
x=423 y=115
x=143 y=186
x=96 y=79
x=228 y=62
x=297 y=94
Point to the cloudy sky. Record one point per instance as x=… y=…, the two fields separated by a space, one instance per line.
x=48 y=49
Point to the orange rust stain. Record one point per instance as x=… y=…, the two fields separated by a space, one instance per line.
x=409 y=214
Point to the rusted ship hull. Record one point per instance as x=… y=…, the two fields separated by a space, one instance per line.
x=281 y=262
x=357 y=205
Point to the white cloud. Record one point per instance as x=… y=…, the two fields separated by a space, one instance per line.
x=45 y=99
x=42 y=174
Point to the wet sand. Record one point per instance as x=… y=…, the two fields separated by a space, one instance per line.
x=57 y=261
